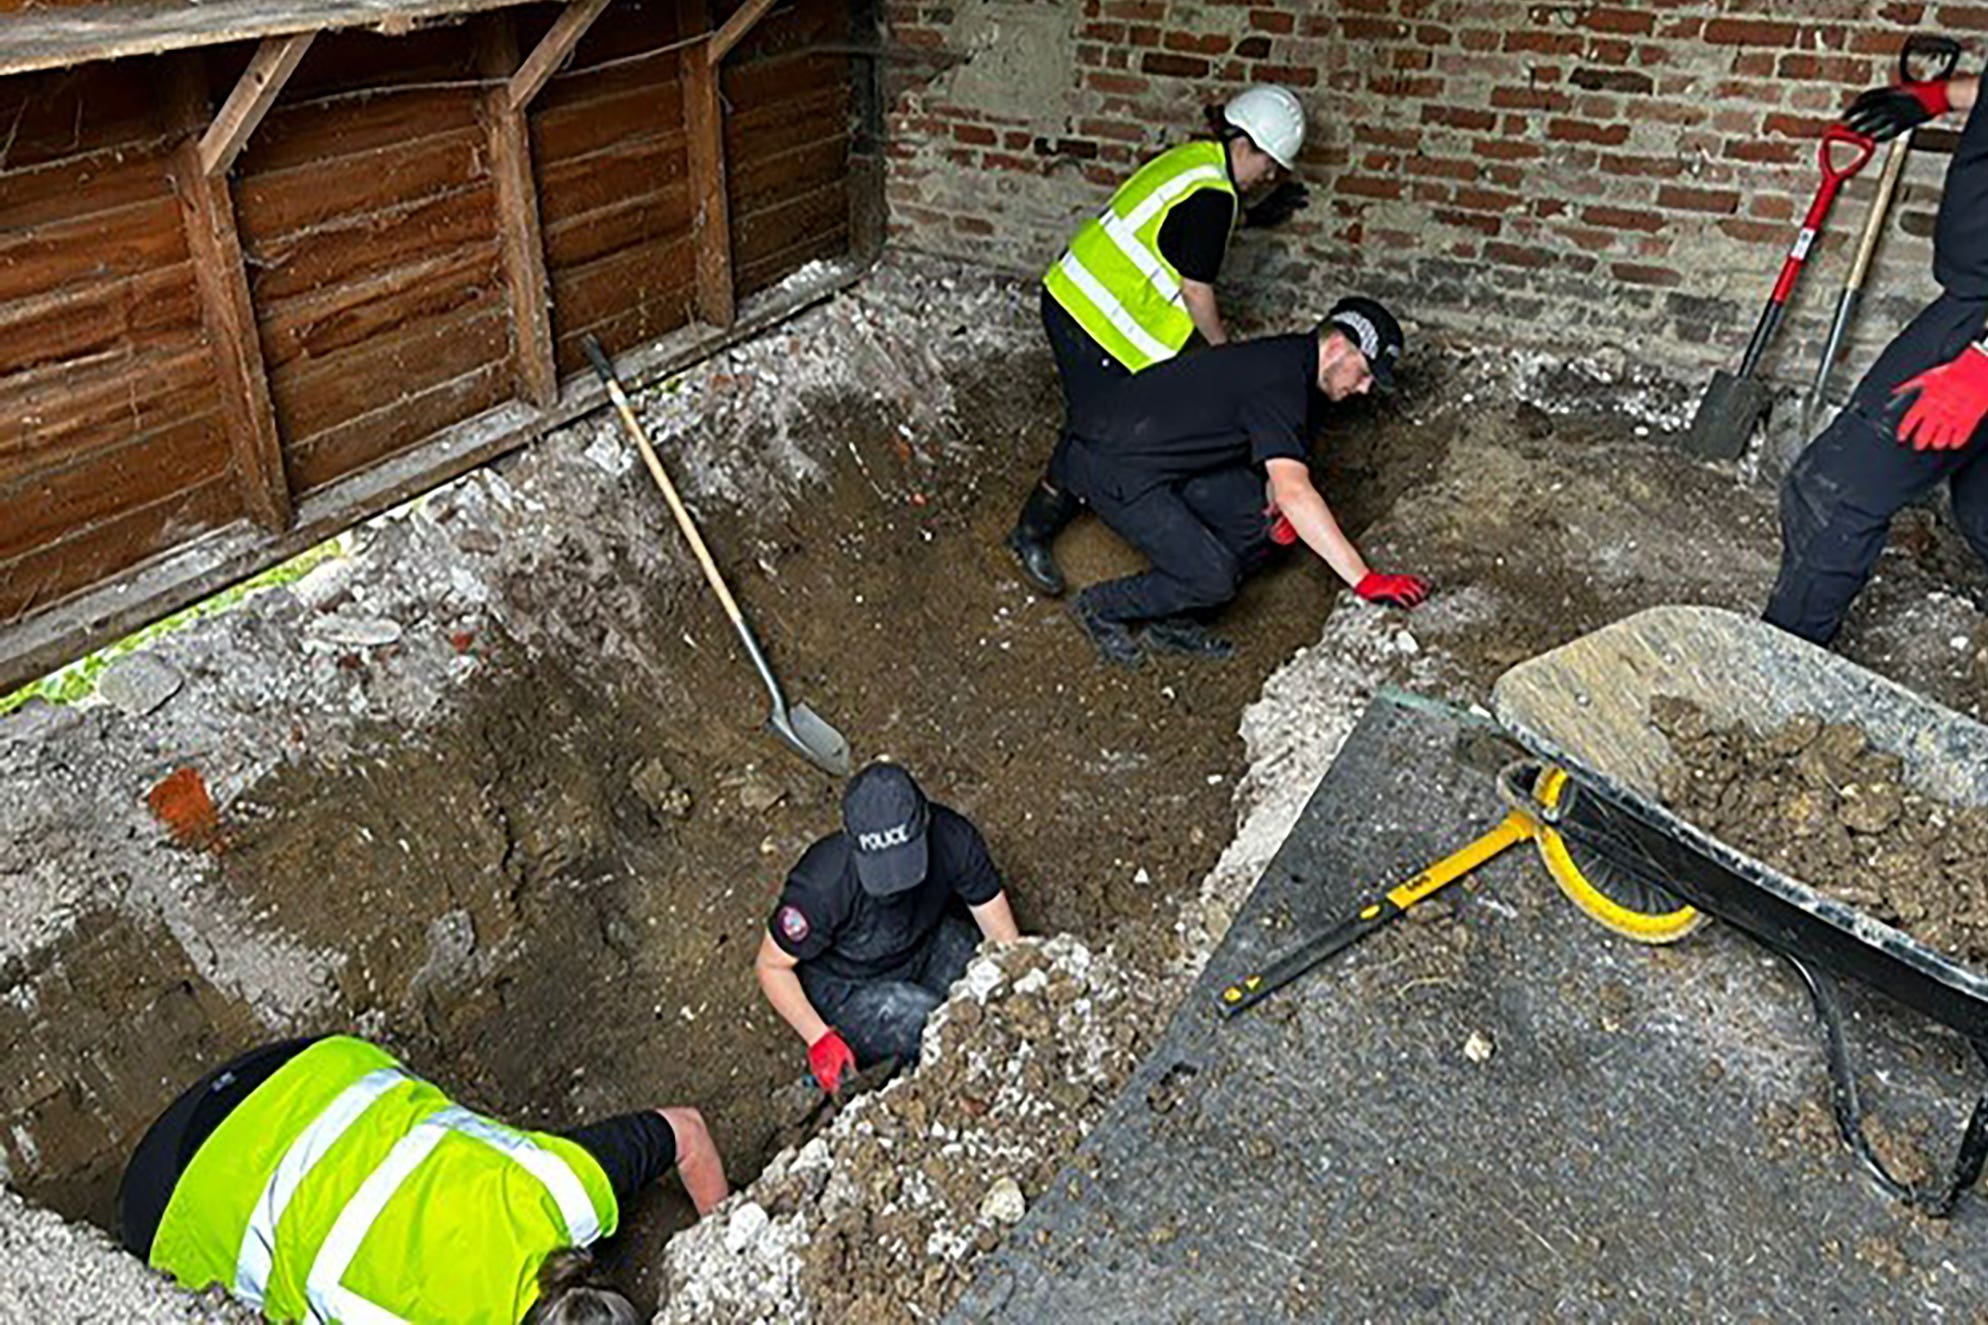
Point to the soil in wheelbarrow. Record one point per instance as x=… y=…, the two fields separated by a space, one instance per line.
x=1814 y=800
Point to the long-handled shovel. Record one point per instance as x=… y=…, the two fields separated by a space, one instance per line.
x=1735 y=403
x=798 y=725
x=1925 y=58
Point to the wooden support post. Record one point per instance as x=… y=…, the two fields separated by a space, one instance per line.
x=736 y=28
x=260 y=84
x=533 y=370
x=207 y=208
x=552 y=50
x=704 y=130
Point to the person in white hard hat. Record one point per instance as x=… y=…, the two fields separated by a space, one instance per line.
x=1137 y=281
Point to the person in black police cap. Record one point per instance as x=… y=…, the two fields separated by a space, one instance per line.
x=1203 y=464
x=1373 y=330
x=876 y=922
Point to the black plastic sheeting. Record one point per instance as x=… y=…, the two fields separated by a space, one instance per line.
x=1648 y=1138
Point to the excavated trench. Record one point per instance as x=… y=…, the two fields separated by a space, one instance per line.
x=531 y=842
x=492 y=789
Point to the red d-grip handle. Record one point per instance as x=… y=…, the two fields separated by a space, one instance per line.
x=1836 y=142
x=1836 y=139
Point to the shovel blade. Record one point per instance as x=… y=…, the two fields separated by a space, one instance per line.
x=812 y=739
x=1732 y=408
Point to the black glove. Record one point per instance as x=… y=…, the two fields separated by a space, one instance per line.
x=1886 y=112
x=1278 y=205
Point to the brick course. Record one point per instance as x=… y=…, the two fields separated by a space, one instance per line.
x=1567 y=173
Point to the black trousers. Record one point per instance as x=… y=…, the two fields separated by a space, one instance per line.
x=881 y=1019
x=170 y=1144
x=1201 y=536
x=1085 y=370
x=1838 y=500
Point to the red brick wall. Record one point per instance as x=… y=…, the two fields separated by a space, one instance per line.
x=1560 y=173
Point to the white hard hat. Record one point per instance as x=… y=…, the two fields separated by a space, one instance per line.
x=1273 y=119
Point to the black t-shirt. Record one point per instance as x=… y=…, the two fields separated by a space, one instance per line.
x=634 y=1150
x=1244 y=403
x=824 y=917
x=1960 y=237
x=1195 y=235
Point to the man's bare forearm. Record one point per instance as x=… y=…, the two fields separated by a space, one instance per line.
x=1207 y=314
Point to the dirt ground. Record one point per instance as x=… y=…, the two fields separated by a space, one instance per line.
x=550 y=900
x=538 y=855
x=1817 y=802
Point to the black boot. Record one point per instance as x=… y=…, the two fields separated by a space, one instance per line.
x=1181 y=634
x=1043 y=516
x=1113 y=639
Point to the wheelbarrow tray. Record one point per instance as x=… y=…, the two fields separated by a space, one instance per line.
x=1586 y=707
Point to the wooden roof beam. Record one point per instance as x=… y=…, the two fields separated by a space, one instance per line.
x=551 y=52
x=39 y=37
x=256 y=91
x=735 y=29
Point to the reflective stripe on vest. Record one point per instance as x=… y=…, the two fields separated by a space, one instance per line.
x=1113 y=279
x=258 y=1253
x=328 y=1295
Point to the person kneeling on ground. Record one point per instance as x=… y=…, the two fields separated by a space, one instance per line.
x=318 y=1179
x=868 y=936
x=1202 y=464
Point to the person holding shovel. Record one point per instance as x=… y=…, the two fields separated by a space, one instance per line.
x=1915 y=420
x=876 y=922
x=1136 y=283
x=1203 y=465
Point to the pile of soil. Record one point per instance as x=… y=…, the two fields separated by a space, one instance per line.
x=1814 y=800
x=883 y=1216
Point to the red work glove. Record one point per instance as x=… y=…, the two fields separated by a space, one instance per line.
x=1952 y=400
x=1392 y=590
x=830 y=1060
x=1886 y=112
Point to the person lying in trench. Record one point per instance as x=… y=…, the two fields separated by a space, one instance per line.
x=320 y=1180
x=873 y=927
x=1203 y=464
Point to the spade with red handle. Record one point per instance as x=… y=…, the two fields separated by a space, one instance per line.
x=1735 y=403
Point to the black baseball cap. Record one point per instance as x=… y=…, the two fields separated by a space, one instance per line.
x=886 y=815
x=1374 y=330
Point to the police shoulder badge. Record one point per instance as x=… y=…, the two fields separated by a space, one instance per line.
x=793 y=925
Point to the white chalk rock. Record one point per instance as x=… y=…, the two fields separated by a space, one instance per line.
x=1479 y=1047
x=982 y=978
x=1004 y=1202
x=138 y=683
x=748 y=1222
x=364 y=632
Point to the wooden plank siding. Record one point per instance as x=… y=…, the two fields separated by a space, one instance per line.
x=111 y=443
x=369 y=229
x=614 y=205
x=787 y=134
x=367 y=211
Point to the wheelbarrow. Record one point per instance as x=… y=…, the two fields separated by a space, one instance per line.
x=1584 y=708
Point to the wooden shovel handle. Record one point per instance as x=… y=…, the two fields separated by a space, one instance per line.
x=605 y=370
x=1867 y=247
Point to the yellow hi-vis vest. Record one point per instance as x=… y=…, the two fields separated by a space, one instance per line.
x=1113 y=278
x=342 y=1189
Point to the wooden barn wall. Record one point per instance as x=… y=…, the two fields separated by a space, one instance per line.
x=368 y=222
x=787 y=130
x=111 y=444
x=369 y=226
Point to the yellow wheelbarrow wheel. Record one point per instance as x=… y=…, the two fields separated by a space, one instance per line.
x=1627 y=905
